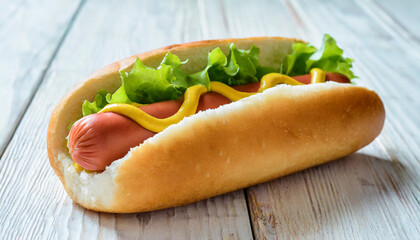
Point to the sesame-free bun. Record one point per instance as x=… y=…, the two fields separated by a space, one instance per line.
x=268 y=135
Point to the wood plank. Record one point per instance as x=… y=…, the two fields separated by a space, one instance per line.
x=246 y=19
x=398 y=18
x=358 y=197
x=371 y=194
x=32 y=200
x=29 y=36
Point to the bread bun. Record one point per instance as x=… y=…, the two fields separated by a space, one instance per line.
x=259 y=138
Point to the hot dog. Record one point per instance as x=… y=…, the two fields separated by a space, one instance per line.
x=214 y=124
x=95 y=141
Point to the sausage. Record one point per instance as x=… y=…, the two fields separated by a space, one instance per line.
x=96 y=140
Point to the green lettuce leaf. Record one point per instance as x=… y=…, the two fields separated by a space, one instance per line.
x=262 y=70
x=168 y=82
x=181 y=78
x=246 y=61
x=239 y=67
x=147 y=85
x=97 y=104
x=295 y=62
x=217 y=69
x=329 y=57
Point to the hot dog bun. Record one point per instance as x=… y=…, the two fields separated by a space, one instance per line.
x=259 y=138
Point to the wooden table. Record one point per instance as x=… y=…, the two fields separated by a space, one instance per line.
x=47 y=46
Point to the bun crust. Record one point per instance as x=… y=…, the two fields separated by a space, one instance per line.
x=266 y=136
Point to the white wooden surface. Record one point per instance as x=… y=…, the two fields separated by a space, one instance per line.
x=30 y=34
x=372 y=194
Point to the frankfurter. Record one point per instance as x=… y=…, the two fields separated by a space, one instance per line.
x=86 y=140
x=113 y=162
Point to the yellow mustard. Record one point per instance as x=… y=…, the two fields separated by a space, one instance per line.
x=231 y=93
x=80 y=168
x=188 y=108
x=136 y=104
x=192 y=96
x=272 y=79
x=317 y=75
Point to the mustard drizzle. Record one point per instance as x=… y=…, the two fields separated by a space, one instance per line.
x=192 y=97
x=317 y=75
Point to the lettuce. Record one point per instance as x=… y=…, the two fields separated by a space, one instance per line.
x=147 y=85
x=295 y=62
x=95 y=106
x=239 y=67
x=328 y=57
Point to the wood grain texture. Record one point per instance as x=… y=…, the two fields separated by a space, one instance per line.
x=30 y=33
x=372 y=194
x=32 y=200
x=398 y=19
